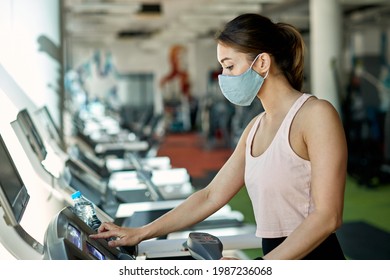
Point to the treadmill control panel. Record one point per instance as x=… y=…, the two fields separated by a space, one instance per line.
x=67 y=238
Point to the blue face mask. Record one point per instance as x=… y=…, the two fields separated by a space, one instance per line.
x=242 y=89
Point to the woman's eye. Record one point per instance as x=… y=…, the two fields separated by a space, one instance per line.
x=229 y=67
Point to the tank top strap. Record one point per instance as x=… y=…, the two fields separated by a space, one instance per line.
x=286 y=124
x=252 y=132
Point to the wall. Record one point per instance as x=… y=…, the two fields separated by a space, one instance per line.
x=130 y=56
x=30 y=50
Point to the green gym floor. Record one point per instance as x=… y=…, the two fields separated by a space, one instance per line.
x=365 y=233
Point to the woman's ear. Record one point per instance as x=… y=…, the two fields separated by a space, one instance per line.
x=262 y=64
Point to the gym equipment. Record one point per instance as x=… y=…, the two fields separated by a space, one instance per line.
x=204 y=246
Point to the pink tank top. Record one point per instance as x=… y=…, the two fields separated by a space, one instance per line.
x=278 y=181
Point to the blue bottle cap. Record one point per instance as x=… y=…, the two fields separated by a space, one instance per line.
x=76 y=194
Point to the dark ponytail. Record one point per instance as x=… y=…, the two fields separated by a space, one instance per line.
x=253 y=34
x=292 y=57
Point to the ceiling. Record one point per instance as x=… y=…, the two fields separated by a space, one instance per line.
x=182 y=20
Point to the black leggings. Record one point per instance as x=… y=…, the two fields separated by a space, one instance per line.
x=330 y=249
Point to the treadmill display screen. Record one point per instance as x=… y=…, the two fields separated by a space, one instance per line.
x=74 y=236
x=32 y=134
x=95 y=252
x=50 y=126
x=13 y=193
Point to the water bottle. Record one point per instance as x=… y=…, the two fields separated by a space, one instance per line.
x=85 y=210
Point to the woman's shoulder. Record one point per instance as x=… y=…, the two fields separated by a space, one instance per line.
x=316 y=111
x=317 y=106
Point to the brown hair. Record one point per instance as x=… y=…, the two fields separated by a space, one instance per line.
x=253 y=34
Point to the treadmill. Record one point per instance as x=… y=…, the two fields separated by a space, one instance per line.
x=67 y=238
x=143 y=204
x=105 y=137
x=174 y=183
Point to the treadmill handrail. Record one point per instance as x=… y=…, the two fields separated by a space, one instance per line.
x=143 y=175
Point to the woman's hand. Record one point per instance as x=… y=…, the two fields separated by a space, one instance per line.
x=121 y=236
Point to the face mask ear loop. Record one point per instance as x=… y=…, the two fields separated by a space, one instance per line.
x=266 y=74
x=253 y=62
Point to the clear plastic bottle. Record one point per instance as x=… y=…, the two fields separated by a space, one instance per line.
x=85 y=210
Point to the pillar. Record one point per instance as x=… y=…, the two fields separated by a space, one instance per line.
x=325 y=49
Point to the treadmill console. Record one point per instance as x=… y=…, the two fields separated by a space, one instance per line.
x=67 y=238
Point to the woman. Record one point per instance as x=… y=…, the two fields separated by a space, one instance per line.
x=292 y=157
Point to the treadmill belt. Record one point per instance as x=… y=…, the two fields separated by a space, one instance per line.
x=131 y=196
x=142 y=218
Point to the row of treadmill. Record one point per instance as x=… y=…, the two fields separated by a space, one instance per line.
x=110 y=166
